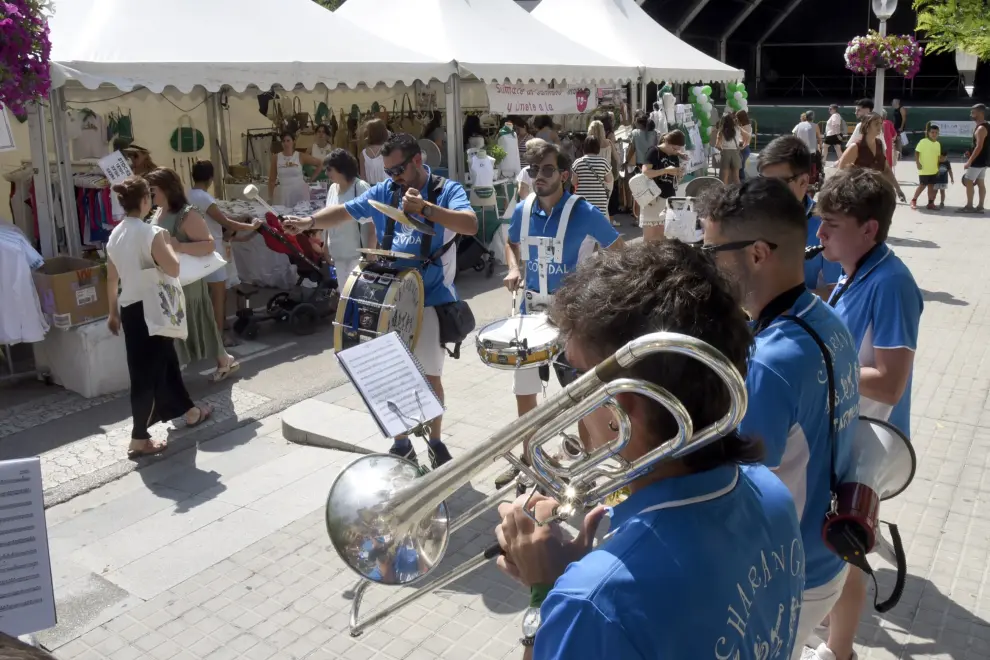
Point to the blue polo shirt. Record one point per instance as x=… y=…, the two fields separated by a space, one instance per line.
x=818 y=271
x=881 y=305
x=586 y=228
x=788 y=409
x=438 y=279
x=663 y=586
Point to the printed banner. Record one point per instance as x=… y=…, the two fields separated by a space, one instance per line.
x=541 y=99
x=962 y=129
x=116 y=168
x=6 y=132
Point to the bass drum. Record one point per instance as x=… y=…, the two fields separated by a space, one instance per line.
x=378 y=299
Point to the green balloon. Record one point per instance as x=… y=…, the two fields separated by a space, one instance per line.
x=707 y=90
x=741 y=87
x=745 y=94
x=732 y=87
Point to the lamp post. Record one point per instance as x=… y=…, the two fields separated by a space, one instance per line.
x=883 y=9
x=966 y=64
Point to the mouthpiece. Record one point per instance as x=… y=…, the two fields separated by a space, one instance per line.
x=812 y=252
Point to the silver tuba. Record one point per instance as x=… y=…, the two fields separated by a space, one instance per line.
x=390 y=524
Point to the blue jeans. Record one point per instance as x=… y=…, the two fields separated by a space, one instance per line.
x=744 y=155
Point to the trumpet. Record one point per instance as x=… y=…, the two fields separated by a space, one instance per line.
x=391 y=525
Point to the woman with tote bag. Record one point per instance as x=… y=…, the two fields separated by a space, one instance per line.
x=140 y=265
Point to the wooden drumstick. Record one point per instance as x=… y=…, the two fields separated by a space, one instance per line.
x=251 y=192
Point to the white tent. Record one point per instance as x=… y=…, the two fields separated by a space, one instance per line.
x=624 y=31
x=143 y=43
x=494 y=40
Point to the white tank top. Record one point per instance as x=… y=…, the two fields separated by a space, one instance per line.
x=289 y=167
x=374 y=166
x=129 y=248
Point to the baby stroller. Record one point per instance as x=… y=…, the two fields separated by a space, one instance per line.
x=305 y=305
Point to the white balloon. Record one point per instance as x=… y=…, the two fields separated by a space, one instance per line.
x=708 y=108
x=737 y=95
x=697 y=90
x=702 y=98
x=709 y=128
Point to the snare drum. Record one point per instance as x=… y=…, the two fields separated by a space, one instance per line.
x=378 y=299
x=519 y=342
x=682 y=221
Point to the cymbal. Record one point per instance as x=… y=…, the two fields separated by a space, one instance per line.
x=402 y=218
x=388 y=254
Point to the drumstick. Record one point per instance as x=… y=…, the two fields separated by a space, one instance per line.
x=512 y=312
x=251 y=192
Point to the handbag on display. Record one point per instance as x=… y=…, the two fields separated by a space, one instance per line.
x=644 y=189
x=164 y=305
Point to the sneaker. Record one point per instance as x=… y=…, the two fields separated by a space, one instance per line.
x=439 y=454
x=930 y=206
x=408 y=454
x=914 y=204
x=966 y=209
x=822 y=653
x=507 y=477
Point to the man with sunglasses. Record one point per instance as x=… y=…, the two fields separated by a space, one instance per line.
x=803 y=371
x=444 y=205
x=787 y=159
x=880 y=302
x=558 y=230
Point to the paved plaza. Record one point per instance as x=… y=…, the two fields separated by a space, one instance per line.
x=220 y=551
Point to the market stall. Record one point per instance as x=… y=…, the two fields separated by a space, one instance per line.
x=99 y=45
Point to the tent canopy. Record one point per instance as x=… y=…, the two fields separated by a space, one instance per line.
x=495 y=40
x=142 y=43
x=627 y=33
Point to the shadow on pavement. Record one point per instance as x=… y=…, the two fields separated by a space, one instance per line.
x=943 y=297
x=911 y=242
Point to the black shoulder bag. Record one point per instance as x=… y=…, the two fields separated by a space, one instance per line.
x=455 y=319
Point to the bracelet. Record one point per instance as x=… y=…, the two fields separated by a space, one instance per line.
x=527 y=641
x=538 y=593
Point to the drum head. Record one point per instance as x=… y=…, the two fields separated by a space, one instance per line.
x=376 y=300
x=535 y=328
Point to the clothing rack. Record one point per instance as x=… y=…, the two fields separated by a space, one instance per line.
x=7 y=363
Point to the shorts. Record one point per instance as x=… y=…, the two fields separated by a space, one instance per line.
x=530 y=381
x=975 y=173
x=219 y=275
x=653 y=213
x=428 y=350
x=817 y=603
x=731 y=158
x=927 y=179
x=832 y=140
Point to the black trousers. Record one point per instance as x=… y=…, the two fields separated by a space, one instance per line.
x=157 y=391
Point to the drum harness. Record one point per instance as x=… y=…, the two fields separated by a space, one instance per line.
x=549 y=250
x=455 y=319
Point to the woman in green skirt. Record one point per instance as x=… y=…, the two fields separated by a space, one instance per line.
x=190 y=236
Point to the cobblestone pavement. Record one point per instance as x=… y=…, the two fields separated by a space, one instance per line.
x=220 y=552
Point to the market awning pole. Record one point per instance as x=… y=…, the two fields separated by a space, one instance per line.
x=213 y=139
x=44 y=199
x=452 y=105
x=73 y=241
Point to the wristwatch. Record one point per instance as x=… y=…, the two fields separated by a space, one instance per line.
x=427 y=210
x=530 y=624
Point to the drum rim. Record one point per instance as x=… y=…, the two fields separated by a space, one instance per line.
x=345 y=295
x=390 y=300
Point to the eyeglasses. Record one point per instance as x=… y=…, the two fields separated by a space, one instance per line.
x=734 y=245
x=542 y=171
x=397 y=170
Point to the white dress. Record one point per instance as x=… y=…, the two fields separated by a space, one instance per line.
x=21 y=318
x=292 y=184
x=374 y=166
x=344 y=240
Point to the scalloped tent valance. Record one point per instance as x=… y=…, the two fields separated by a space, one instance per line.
x=493 y=40
x=624 y=31
x=212 y=43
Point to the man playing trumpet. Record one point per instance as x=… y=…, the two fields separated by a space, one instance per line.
x=704 y=559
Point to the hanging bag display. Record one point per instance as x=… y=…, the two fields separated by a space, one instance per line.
x=302 y=118
x=186 y=139
x=406 y=122
x=164 y=304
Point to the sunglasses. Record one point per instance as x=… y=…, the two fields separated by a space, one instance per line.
x=735 y=245
x=397 y=170
x=543 y=172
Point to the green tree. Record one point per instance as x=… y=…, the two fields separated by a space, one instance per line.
x=952 y=24
x=329 y=4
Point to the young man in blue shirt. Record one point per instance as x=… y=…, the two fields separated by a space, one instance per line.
x=881 y=304
x=450 y=213
x=559 y=231
x=704 y=558
x=787 y=158
x=757 y=232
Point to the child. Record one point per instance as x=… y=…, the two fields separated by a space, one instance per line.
x=943 y=178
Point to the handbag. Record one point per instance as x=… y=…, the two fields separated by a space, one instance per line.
x=644 y=189
x=164 y=305
x=186 y=138
x=192 y=269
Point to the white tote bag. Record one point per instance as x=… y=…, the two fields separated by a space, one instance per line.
x=164 y=304
x=193 y=269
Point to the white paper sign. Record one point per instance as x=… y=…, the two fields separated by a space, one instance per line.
x=955 y=128
x=116 y=168
x=540 y=99
x=27 y=598
x=6 y=132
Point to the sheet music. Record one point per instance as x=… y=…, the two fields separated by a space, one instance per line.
x=385 y=372
x=27 y=598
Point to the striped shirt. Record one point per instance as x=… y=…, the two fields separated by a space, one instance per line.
x=589 y=176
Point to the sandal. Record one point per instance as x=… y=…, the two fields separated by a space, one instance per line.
x=150 y=450
x=204 y=414
x=222 y=373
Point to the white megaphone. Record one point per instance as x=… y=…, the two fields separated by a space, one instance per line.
x=882 y=465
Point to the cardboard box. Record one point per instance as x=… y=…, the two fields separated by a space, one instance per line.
x=72 y=291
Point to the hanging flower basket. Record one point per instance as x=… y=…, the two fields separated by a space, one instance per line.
x=898 y=52
x=24 y=52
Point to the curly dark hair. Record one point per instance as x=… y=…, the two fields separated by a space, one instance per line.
x=863 y=194
x=343 y=161
x=618 y=295
x=170 y=183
